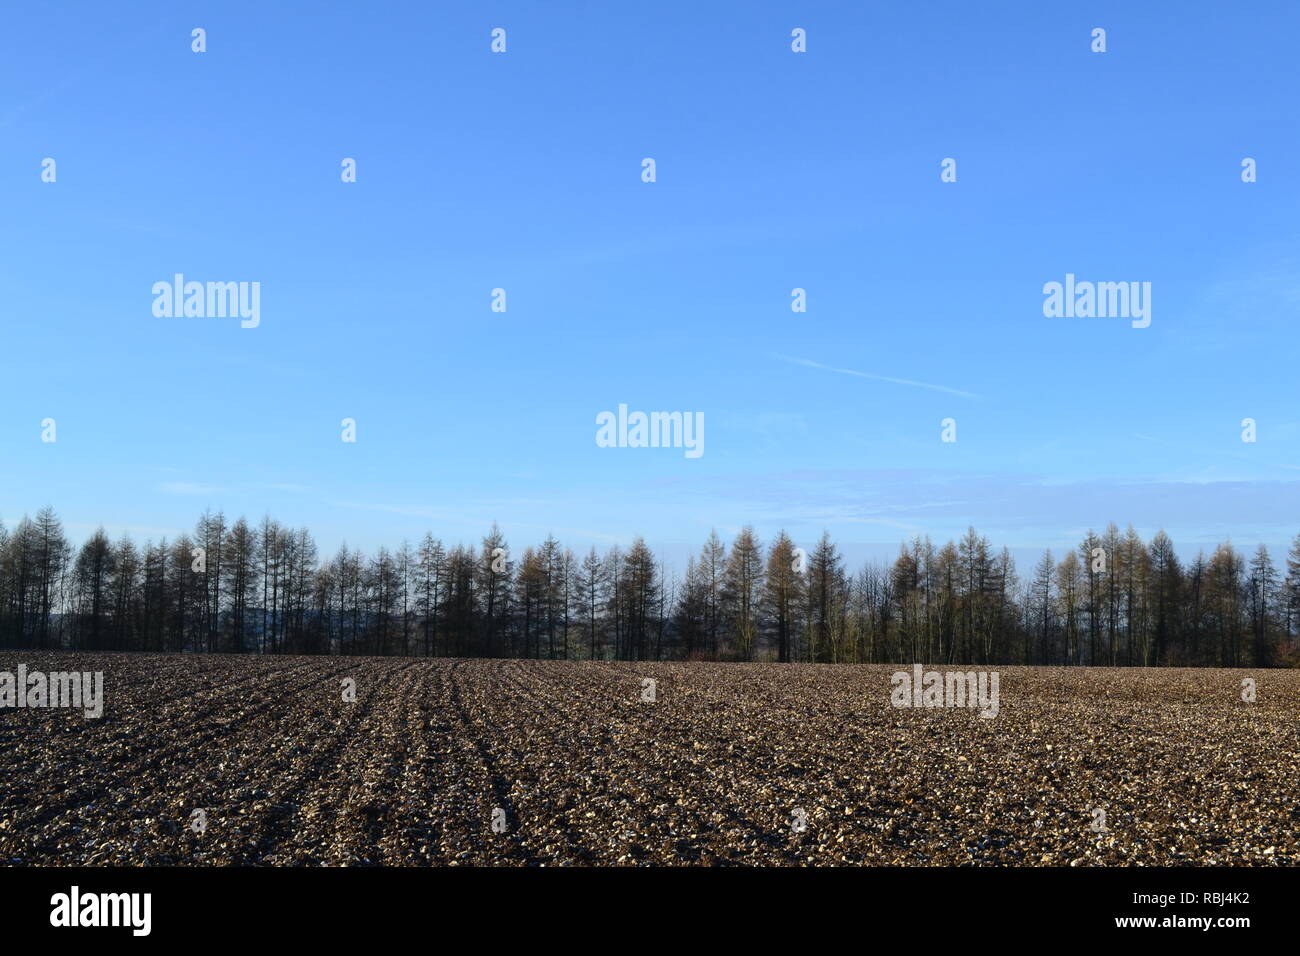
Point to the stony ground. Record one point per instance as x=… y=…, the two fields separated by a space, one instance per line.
x=730 y=764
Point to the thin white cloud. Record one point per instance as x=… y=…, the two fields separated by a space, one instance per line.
x=86 y=529
x=809 y=363
x=188 y=488
x=1220 y=452
x=505 y=524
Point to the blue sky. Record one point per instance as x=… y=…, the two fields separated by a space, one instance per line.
x=775 y=170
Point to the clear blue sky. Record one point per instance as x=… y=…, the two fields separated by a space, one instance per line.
x=775 y=170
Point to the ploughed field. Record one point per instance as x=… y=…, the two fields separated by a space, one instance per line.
x=729 y=764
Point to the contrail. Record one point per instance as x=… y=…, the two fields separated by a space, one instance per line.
x=878 y=378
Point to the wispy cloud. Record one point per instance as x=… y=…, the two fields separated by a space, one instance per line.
x=85 y=529
x=1013 y=508
x=809 y=363
x=201 y=488
x=505 y=524
x=1219 y=452
x=429 y=514
x=189 y=488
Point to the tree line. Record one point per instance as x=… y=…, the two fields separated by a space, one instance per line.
x=240 y=588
